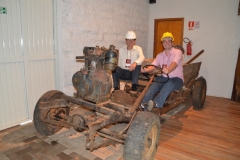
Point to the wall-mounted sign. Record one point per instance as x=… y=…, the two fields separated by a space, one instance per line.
x=190 y=25
x=193 y=25
x=3 y=10
x=196 y=24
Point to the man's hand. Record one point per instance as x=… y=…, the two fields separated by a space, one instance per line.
x=147 y=69
x=133 y=66
x=143 y=69
x=165 y=70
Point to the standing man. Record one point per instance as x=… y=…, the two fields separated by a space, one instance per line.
x=129 y=62
x=170 y=60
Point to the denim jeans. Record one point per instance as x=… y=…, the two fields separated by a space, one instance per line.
x=164 y=89
x=124 y=74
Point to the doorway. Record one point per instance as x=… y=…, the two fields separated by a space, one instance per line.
x=173 y=25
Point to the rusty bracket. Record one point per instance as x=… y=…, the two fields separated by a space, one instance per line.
x=138 y=101
x=53 y=104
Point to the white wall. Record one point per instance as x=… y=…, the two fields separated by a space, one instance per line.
x=98 y=22
x=219 y=36
x=105 y=22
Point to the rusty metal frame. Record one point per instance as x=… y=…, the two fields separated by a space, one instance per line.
x=111 y=113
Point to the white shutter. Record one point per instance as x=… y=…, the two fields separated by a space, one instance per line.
x=27 y=59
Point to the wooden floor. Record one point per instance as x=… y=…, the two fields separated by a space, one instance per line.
x=210 y=133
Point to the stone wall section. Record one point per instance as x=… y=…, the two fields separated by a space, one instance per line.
x=102 y=23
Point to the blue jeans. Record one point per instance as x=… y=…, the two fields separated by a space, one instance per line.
x=164 y=90
x=124 y=74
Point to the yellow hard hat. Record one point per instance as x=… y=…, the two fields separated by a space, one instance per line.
x=167 y=34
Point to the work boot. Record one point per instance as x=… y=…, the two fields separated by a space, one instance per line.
x=116 y=88
x=151 y=105
x=134 y=87
x=133 y=92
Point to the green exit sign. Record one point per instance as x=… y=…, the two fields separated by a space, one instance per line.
x=3 y=10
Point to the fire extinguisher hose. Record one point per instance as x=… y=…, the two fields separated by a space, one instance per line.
x=188 y=40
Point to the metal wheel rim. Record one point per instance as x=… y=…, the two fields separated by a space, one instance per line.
x=203 y=94
x=150 y=143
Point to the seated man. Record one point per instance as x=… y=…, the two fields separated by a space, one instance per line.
x=129 y=62
x=171 y=62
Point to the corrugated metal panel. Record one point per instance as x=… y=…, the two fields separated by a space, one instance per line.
x=10 y=32
x=13 y=100
x=27 y=58
x=37 y=18
x=12 y=94
x=37 y=24
x=41 y=81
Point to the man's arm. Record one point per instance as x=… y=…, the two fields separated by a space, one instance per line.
x=141 y=56
x=171 y=68
x=147 y=69
x=138 y=61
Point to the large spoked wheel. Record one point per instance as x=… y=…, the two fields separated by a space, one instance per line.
x=42 y=127
x=143 y=137
x=199 y=93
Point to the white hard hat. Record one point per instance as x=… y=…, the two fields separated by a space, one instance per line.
x=130 y=35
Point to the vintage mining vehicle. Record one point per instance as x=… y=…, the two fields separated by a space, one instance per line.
x=94 y=108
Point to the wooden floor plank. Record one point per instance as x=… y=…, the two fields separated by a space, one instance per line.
x=214 y=132
x=205 y=140
x=168 y=154
x=193 y=121
x=196 y=148
x=221 y=121
x=210 y=133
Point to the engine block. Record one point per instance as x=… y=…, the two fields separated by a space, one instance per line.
x=93 y=82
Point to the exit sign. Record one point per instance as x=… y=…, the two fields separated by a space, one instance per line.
x=3 y=10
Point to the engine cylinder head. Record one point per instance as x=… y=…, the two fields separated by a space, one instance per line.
x=111 y=58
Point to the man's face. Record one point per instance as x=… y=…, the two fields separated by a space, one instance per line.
x=130 y=42
x=167 y=43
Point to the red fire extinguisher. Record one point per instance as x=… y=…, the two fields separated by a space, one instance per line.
x=189 y=45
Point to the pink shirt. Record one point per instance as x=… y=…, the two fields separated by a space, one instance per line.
x=174 y=56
